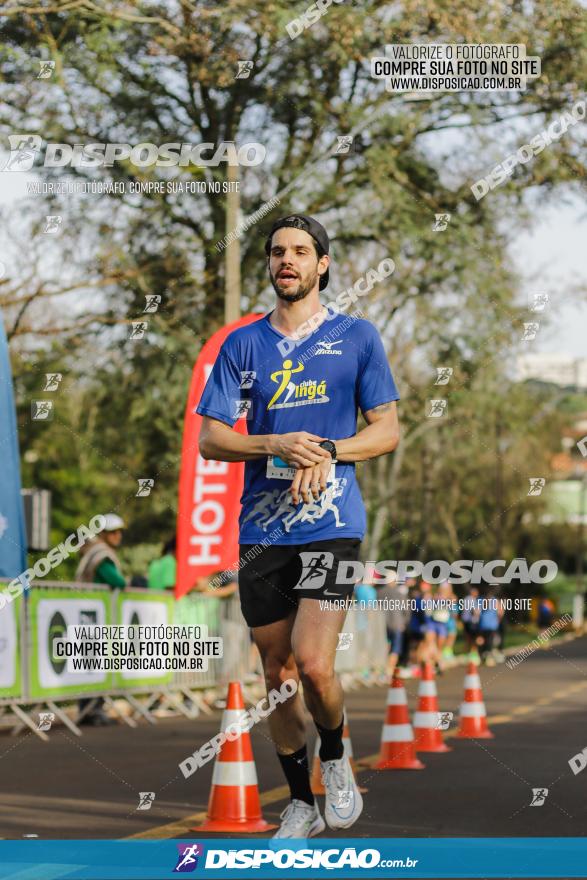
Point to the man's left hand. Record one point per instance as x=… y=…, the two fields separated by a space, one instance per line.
x=309 y=482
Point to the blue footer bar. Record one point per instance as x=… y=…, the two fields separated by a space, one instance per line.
x=384 y=858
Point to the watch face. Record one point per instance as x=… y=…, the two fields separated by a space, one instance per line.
x=329 y=446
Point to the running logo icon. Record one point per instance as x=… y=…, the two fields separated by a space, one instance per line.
x=243 y=409
x=315 y=567
x=437 y=408
x=345 y=142
x=23 y=151
x=344 y=641
x=152 y=302
x=443 y=375
x=538 y=302
x=443 y=720
x=145 y=486
x=539 y=795
x=46 y=719
x=41 y=410
x=441 y=222
x=52 y=381
x=46 y=69
x=146 y=800
x=187 y=860
x=138 y=329
x=244 y=70
x=345 y=799
x=537 y=484
x=53 y=224
x=530 y=330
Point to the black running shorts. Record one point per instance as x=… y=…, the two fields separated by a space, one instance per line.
x=273 y=579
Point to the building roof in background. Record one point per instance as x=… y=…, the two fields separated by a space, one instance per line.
x=560 y=369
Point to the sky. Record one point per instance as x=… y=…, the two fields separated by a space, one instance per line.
x=555 y=250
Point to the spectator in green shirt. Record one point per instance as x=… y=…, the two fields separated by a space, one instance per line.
x=162 y=571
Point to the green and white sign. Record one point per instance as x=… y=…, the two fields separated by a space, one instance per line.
x=50 y=612
x=143 y=609
x=10 y=681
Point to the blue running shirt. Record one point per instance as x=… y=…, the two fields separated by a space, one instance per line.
x=318 y=387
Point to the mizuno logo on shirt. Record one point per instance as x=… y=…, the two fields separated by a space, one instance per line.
x=326 y=347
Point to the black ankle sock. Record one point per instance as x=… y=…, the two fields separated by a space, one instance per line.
x=331 y=746
x=296 y=771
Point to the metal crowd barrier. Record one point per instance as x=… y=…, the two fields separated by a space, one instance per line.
x=30 y=679
x=222 y=618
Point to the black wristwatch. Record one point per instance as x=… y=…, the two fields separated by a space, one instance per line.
x=329 y=446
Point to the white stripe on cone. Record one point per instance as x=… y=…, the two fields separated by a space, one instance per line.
x=425 y=719
x=234 y=773
x=427 y=689
x=231 y=716
x=397 y=733
x=472 y=682
x=473 y=710
x=396 y=697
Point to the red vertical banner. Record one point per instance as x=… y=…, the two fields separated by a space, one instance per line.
x=209 y=491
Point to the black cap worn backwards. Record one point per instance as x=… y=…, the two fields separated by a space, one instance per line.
x=306 y=224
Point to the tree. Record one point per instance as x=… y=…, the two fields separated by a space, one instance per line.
x=167 y=73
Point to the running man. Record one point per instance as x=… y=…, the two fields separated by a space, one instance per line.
x=302 y=422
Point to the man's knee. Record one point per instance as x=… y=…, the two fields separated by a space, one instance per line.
x=315 y=673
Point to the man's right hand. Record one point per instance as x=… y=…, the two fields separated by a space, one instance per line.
x=299 y=448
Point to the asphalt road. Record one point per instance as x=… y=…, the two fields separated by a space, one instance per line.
x=88 y=787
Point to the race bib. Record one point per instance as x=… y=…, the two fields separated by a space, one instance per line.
x=278 y=469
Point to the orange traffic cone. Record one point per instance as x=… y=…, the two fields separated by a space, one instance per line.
x=427 y=734
x=234 y=798
x=473 y=716
x=397 y=738
x=316 y=780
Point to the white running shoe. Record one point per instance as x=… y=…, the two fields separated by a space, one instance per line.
x=299 y=819
x=344 y=803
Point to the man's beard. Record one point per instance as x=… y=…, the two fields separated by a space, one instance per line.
x=303 y=290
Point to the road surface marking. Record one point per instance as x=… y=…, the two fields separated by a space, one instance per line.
x=184 y=827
